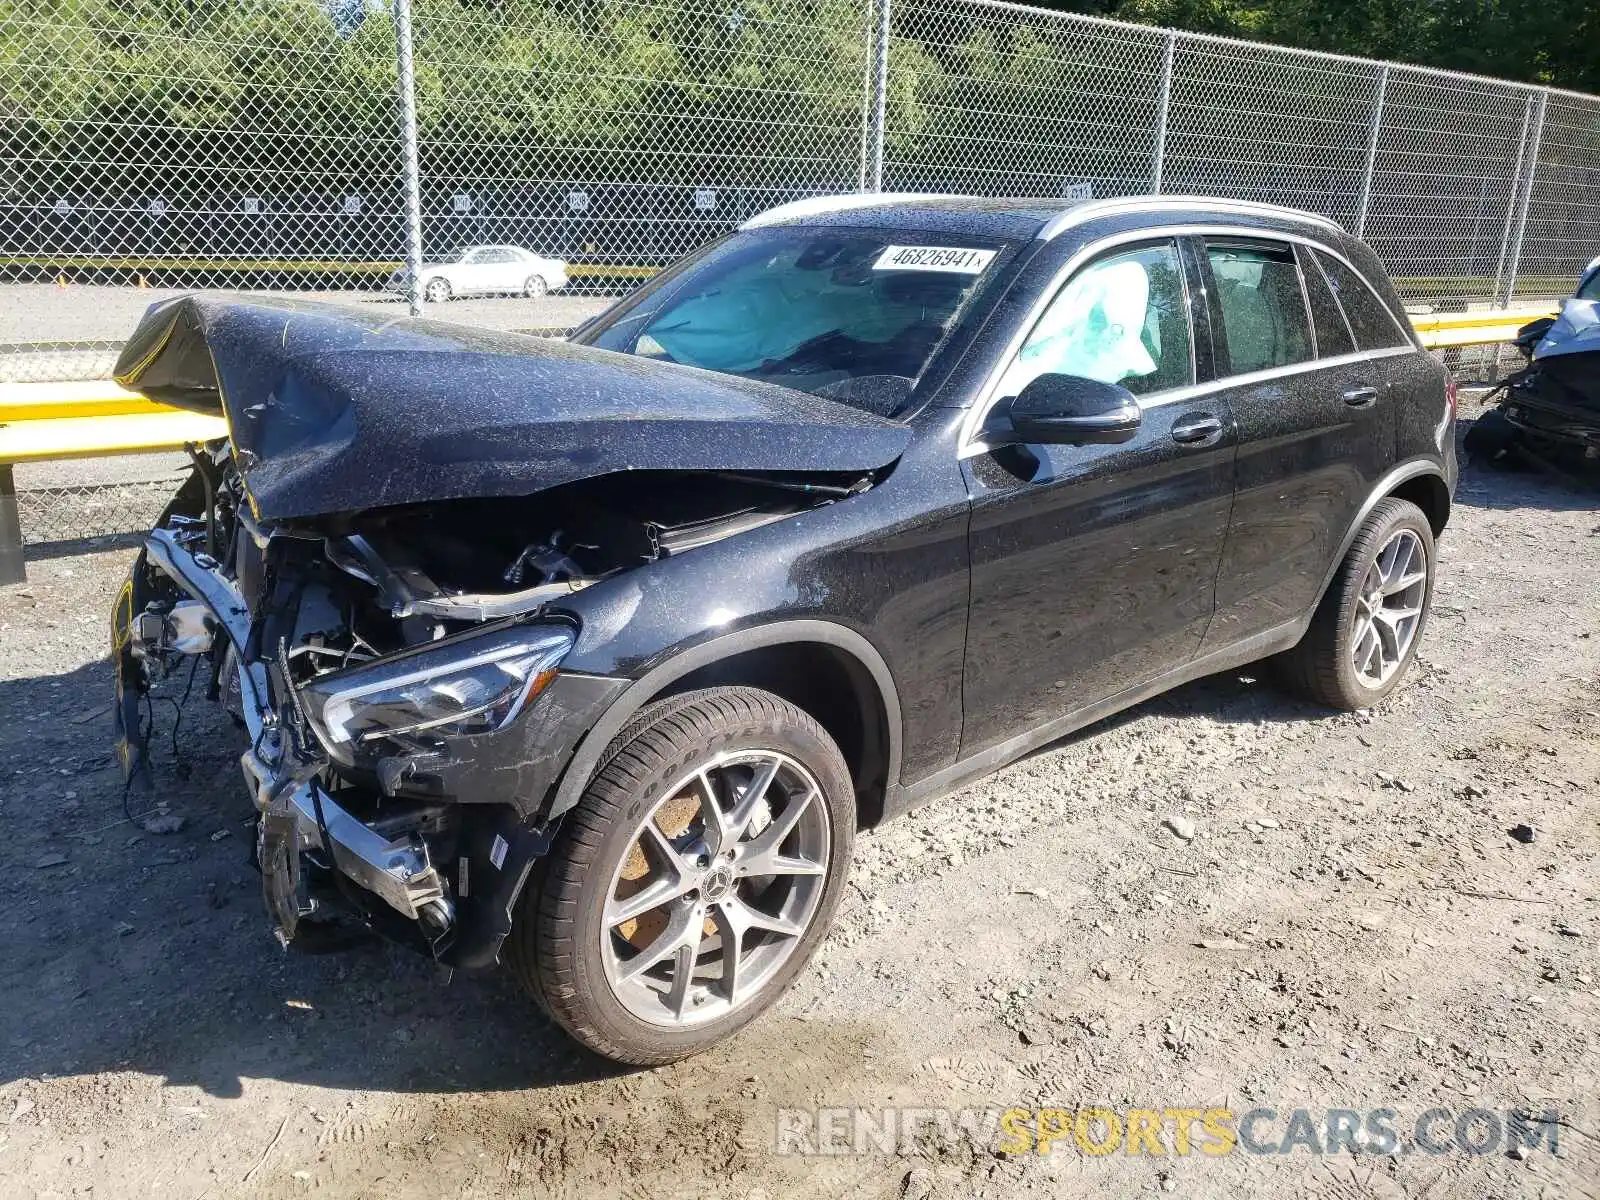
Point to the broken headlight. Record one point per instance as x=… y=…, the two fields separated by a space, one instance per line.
x=477 y=685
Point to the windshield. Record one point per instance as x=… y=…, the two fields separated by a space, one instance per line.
x=1589 y=289
x=848 y=314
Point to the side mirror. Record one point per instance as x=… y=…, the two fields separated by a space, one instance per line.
x=1067 y=410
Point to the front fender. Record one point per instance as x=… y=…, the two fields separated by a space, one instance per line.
x=696 y=654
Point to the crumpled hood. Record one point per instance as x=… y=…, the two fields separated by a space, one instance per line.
x=334 y=410
x=1567 y=359
x=1575 y=331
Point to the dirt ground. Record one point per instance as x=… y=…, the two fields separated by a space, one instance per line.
x=1352 y=927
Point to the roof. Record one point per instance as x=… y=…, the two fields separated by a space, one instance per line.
x=972 y=215
x=1006 y=218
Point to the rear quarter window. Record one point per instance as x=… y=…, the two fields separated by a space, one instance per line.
x=1333 y=334
x=1375 y=327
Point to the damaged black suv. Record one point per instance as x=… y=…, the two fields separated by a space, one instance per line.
x=591 y=657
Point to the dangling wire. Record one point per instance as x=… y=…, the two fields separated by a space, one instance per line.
x=143 y=735
x=141 y=738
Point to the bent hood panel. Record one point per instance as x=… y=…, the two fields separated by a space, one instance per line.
x=1569 y=354
x=1575 y=331
x=332 y=410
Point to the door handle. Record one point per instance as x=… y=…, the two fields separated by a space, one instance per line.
x=1361 y=397
x=1201 y=429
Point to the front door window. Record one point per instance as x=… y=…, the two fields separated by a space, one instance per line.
x=1122 y=319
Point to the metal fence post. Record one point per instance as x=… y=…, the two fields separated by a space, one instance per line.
x=1379 y=99
x=1511 y=202
x=12 y=568
x=880 y=99
x=1527 y=199
x=407 y=96
x=869 y=63
x=1158 y=156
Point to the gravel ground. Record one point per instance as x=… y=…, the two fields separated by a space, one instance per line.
x=1351 y=926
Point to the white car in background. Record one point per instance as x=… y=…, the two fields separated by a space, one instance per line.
x=485 y=271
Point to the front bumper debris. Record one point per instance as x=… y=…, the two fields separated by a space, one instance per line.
x=302 y=819
x=298 y=817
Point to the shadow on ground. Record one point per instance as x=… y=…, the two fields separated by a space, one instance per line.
x=133 y=951
x=1516 y=483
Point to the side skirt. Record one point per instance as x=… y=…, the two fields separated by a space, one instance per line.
x=1263 y=645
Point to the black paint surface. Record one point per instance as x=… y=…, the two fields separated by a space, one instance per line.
x=1000 y=594
x=332 y=411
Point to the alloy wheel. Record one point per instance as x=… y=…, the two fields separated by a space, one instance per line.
x=1389 y=610
x=719 y=883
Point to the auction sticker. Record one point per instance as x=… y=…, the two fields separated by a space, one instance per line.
x=954 y=259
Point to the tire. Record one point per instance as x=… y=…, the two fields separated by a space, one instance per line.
x=535 y=287
x=436 y=290
x=1323 y=666
x=563 y=951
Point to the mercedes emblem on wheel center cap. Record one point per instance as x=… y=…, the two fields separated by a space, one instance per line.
x=717 y=884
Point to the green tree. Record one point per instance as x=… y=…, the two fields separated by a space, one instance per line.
x=1555 y=42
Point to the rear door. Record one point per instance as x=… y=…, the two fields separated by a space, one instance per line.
x=1093 y=566
x=1413 y=388
x=1316 y=429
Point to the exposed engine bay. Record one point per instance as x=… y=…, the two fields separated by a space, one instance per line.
x=378 y=662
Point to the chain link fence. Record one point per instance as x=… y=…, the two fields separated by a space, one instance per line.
x=149 y=147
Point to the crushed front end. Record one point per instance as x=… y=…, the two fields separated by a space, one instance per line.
x=402 y=740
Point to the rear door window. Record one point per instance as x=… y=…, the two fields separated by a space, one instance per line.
x=1263 y=307
x=1333 y=333
x=1375 y=327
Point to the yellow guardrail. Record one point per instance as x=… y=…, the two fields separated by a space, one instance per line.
x=44 y=421
x=85 y=419
x=144 y=265
x=1440 y=331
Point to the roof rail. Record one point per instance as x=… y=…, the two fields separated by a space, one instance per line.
x=1087 y=211
x=814 y=206
x=1072 y=214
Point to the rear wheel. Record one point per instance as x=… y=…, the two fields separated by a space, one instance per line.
x=1365 y=632
x=693 y=880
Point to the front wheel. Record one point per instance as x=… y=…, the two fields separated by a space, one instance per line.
x=535 y=287
x=1365 y=632
x=437 y=291
x=694 y=879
